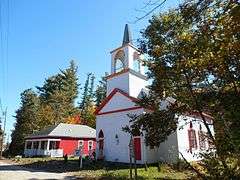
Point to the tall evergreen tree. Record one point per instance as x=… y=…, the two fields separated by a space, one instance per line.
x=26 y=121
x=85 y=92
x=101 y=90
x=87 y=106
x=90 y=96
x=58 y=94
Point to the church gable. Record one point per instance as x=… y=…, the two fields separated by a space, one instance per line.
x=117 y=101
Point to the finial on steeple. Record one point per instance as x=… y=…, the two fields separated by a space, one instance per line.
x=127 y=38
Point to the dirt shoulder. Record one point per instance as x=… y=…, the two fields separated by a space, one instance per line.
x=9 y=171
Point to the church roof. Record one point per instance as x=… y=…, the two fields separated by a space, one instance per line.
x=127 y=37
x=109 y=97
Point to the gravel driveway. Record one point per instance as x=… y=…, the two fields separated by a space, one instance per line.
x=15 y=172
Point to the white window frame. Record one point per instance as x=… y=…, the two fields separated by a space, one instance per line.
x=80 y=141
x=90 y=141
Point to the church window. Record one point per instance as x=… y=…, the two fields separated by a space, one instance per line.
x=136 y=62
x=100 y=135
x=119 y=61
x=210 y=142
x=101 y=141
x=118 y=65
x=192 y=138
x=201 y=136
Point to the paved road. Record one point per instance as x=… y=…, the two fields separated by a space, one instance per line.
x=15 y=172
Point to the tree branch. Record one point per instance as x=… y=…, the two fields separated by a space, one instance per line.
x=189 y=165
x=149 y=12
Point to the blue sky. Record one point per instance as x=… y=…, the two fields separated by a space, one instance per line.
x=45 y=35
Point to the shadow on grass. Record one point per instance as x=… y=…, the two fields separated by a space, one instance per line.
x=73 y=165
x=100 y=170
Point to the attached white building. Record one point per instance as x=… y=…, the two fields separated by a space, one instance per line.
x=124 y=85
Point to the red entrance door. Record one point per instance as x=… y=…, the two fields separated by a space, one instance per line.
x=137 y=148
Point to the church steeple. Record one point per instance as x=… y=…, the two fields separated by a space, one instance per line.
x=127 y=69
x=127 y=37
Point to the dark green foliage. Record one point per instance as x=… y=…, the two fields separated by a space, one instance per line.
x=54 y=104
x=59 y=93
x=85 y=92
x=194 y=57
x=101 y=91
x=26 y=121
x=87 y=106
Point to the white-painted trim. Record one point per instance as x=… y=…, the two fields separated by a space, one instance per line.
x=43 y=140
x=89 y=143
x=79 y=143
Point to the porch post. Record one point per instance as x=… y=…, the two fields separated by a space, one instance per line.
x=39 y=144
x=48 y=143
x=25 y=146
x=31 y=144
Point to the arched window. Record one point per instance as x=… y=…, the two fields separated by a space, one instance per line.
x=100 y=144
x=136 y=62
x=119 y=61
x=201 y=137
x=118 y=65
x=100 y=134
x=192 y=138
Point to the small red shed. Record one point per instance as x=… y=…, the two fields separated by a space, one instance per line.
x=61 y=139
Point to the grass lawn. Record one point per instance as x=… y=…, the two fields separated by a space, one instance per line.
x=103 y=170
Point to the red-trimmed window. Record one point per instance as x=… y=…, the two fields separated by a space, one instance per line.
x=201 y=138
x=192 y=138
x=210 y=142
x=202 y=142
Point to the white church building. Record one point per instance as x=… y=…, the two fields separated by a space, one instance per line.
x=124 y=86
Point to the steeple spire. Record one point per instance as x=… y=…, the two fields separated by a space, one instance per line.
x=127 y=38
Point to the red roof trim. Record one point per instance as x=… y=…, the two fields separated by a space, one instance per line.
x=109 y=97
x=196 y=114
x=118 y=73
x=120 y=110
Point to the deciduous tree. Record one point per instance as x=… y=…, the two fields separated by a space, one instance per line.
x=194 y=57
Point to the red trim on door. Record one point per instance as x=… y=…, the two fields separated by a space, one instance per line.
x=137 y=148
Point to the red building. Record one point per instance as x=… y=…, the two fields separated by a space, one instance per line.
x=61 y=139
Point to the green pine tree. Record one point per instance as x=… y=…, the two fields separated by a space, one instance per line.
x=85 y=93
x=101 y=90
x=58 y=94
x=87 y=106
x=26 y=121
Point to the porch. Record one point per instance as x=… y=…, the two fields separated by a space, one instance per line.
x=43 y=147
